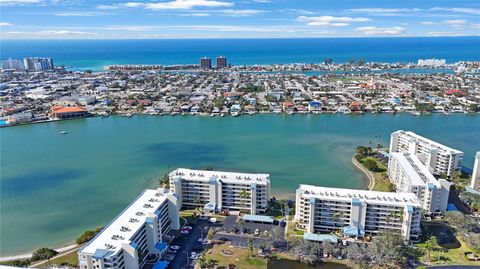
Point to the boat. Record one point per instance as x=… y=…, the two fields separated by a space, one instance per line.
x=63 y=132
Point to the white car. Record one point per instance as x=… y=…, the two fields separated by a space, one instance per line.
x=174 y=247
x=257 y=231
x=184 y=231
x=213 y=220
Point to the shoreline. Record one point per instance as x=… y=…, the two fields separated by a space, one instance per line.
x=369 y=175
x=122 y=114
x=23 y=256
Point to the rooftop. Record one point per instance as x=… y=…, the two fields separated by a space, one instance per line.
x=224 y=176
x=415 y=169
x=124 y=226
x=374 y=197
x=430 y=142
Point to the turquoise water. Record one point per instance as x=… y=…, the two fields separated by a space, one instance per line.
x=53 y=187
x=94 y=54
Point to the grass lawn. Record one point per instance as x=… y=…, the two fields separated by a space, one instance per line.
x=241 y=258
x=451 y=256
x=292 y=229
x=71 y=258
x=453 y=249
x=381 y=181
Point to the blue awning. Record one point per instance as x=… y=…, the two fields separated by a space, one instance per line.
x=320 y=237
x=352 y=231
x=160 y=246
x=100 y=253
x=160 y=265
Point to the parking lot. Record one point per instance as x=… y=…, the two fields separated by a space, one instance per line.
x=228 y=230
x=189 y=243
x=239 y=234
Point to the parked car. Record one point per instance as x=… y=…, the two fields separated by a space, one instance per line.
x=257 y=231
x=184 y=231
x=213 y=220
x=174 y=247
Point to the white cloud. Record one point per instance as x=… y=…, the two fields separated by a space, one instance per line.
x=239 y=12
x=330 y=21
x=79 y=14
x=456 y=24
x=172 y=5
x=18 y=2
x=198 y=14
x=472 y=11
x=385 y=11
x=2 y=24
x=381 y=31
x=48 y=34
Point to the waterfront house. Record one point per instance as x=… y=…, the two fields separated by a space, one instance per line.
x=61 y=112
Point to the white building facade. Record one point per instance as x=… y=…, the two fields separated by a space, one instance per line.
x=138 y=231
x=475 y=183
x=356 y=212
x=409 y=175
x=221 y=191
x=439 y=158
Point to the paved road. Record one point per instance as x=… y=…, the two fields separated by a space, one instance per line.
x=187 y=242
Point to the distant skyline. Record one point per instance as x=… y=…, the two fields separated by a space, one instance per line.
x=99 y=19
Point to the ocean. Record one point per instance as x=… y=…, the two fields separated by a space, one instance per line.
x=94 y=54
x=54 y=187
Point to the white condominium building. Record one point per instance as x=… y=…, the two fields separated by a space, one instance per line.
x=439 y=158
x=218 y=191
x=409 y=175
x=475 y=184
x=356 y=212
x=138 y=231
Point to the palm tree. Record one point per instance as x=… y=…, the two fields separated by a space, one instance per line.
x=245 y=195
x=431 y=245
x=250 y=246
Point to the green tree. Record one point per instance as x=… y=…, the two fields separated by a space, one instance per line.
x=43 y=254
x=370 y=164
x=87 y=236
x=431 y=245
x=250 y=246
x=211 y=233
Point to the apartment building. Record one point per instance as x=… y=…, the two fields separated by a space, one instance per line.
x=439 y=158
x=139 y=230
x=475 y=183
x=410 y=175
x=221 y=191
x=38 y=64
x=357 y=213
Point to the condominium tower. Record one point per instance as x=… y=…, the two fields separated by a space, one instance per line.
x=439 y=158
x=206 y=63
x=38 y=64
x=216 y=191
x=475 y=183
x=409 y=175
x=357 y=213
x=221 y=62
x=138 y=231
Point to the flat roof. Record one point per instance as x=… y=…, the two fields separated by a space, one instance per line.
x=374 y=197
x=428 y=141
x=415 y=169
x=320 y=237
x=232 y=177
x=125 y=225
x=258 y=218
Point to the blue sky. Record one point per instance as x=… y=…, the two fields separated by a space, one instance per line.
x=104 y=19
